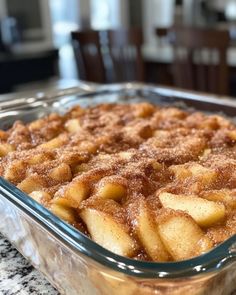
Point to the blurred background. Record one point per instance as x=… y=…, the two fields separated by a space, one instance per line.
x=185 y=43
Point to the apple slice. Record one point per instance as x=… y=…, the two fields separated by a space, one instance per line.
x=32 y=183
x=54 y=143
x=194 y=170
x=73 y=125
x=41 y=197
x=61 y=173
x=6 y=148
x=181 y=235
x=225 y=196
x=147 y=232
x=15 y=171
x=111 y=187
x=66 y=213
x=143 y=110
x=72 y=194
x=107 y=230
x=204 y=212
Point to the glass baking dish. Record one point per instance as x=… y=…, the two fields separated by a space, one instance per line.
x=72 y=262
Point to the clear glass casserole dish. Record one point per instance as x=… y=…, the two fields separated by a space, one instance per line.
x=71 y=261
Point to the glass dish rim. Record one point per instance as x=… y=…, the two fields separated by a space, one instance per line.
x=214 y=260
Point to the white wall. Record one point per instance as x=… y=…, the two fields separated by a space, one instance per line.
x=218 y=4
x=45 y=30
x=2 y=8
x=156 y=13
x=108 y=14
x=84 y=13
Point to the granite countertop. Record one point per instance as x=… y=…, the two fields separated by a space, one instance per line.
x=17 y=276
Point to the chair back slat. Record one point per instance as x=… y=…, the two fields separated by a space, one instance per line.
x=200 y=69
x=88 y=55
x=213 y=68
x=115 y=54
x=125 y=47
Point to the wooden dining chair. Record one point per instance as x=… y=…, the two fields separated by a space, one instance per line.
x=109 y=55
x=200 y=61
x=88 y=56
x=125 y=47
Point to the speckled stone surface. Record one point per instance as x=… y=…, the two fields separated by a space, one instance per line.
x=17 y=276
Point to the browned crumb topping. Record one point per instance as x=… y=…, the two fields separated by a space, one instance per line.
x=142 y=173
